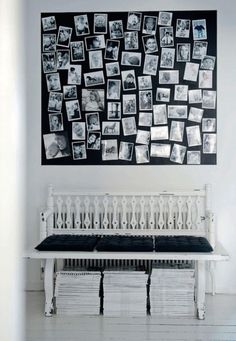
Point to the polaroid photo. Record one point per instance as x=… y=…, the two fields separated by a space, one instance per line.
x=94 y=78
x=55 y=122
x=193 y=157
x=145 y=119
x=77 y=51
x=181 y=93
x=73 y=110
x=55 y=102
x=195 y=96
x=166 y=36
x=159 y=114
x=199 y=29
x=53 y=81
x=191 y=72
x=177 y=131
x=134 y=21
x=74 y=74
x=150 y=44
x=95 y=42
x=178 y=153
x=182 y=28
x=70 y=92
x=208 y=125
x=49 y=23
x=195 y=114
x=78 y=130
x=199 y=49
x=79 y=151
x=145 y=100
x=92 y=121
x=144 y=82
x=193 y=136
x=126 y=151
x=163 y=95
x=56 y=145
x=129 y=126
x=129 y=104
x=183 y=52
x=81 y=25
x=160 y=150
x=112 y=49
x=167 y=57
x=100 y=23
x=64 y=36
x=128 y=80
x=131 y=58
x=95 y=59
x=149 y=24
x=49 y=62
x=142 y=154
x=49 y=43
x=208 y=63
x=177 y=111
x=110 y=128
x=116 y=29
x=150 y=64
x=114 y=110
x=94 y=141
x=63 y=59
x=113 y=88
x=165 y=18
x=169 y=77
x=143 y=137
x=109 y=150
x=209 y=143
x=159 y=133
x=131 y=40
x=209 y=99
x=112 y=69
x=93 y=100
x=205 y=79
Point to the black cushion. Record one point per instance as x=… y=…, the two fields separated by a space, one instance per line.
x=125 y=243
x=182 y=244
x=67 y=242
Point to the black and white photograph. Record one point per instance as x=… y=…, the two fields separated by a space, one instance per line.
x=131 y=58
x=95 y=42
x=167 y=57
x=128 y=80
x=205 y=79
x=209 y=143
x=73 y=110
x=193 y=157
x=94 y=78
x=183 y=52
x=143 y=137
x=191 y=72
x=49 y=62
x=70 y=92
x=53 y=82
x=55 y=122
x=144 y=82
x=150 y=64
x=142 y=154
x=129 y=105
x=94 y=141
x=149 y=24
x=195 y=96
x=199 y=29
x=181 y=93
x=110 y=128
x=74 y=74
x=208 y=63
x=150 y=44
x=100 y=23
x=78 y=131
x=81 y=25
x=145 y=119
x=177 y=131
x=113 y=88
x=55 y=102
x=193 y=136
x=182 y=28
x=177 y=111
x=63 y=59
x=77 y=51
x=64 y=36
x=113 y=69
x=116 y=29
x=178 y=153
x=114 y=110
x=131 y=40
x=195 y=114
x=145 y=100
x=159 y=114
x=160 y=150
x=95 y=59
x=109 y=150
x=56 y=145
x=163 y=95
x=159 y=133
x=169 y=77
x=166 y=36
x=129 y=126
x=79 y=150
x=208 y=125
x=134 y=21
x=199 y=49
x=126 y=151
x=209 y=99
x=49 y=42
x=112 y=49
x=92 y=121
x=49 y=23
x=93 y=100
x=165 y=18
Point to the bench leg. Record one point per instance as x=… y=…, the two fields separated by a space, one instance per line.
x=212 y=274
x=201 y=288
x=48 y=286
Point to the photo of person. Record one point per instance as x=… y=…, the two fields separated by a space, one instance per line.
x=150 y=64
x=116 y=29
x=95 y=59
x=128 y=80
x=167 y=57
x=165 y=18
x=160 y=150
x=150 y=44
x=181 y=93
x=209 y=99
x=74 y=74
x=114 y=110
x=209 y=143
x=145 y=119
x=159 y=133
x=182 y=28
x=49 y=42
x=100 y=23
x=183 y=52
x=79 y=150
x=73 y=110
x=112 y=49
x=92 y=121
x=129 y=104
x=208 y=63
x=169 y=77
x=94 y=141
x=178 y=153
x=81 y=25
x=55 y=102
x=49 y=62
x=193 y=136
x=149 y=24
x=78 y=131
x=63 y=59
x=142 y=154
x=113 y=88
x=92 y=100
x=129 y=126
x=134 y=21
x=110 y=128
x=77 y=51
x=95 y=42
x=49 y=23
x=177 y=111
x=64 y=35
x=193 y=157
x=53 y=82
x=143 y=137
x=56 y=145
x=131 y=40
x=208 y=125
x=55 y=122
x=199 y=29
x=159 y=114
x=144 y=82
x=199 y=49
x=94 y=78
x=112 y=69
x=145 y=100
x=177 y=131
x=131 y=58
x=195 y=114
x=126 y=151
x=205 y=79
x=191 y=72
x=109 y=150
x=163 y=95
x=195 y=96
x=70 y=91
x=166 y=36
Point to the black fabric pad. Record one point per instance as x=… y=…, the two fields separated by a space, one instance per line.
x=125 y=243
x=182 y=244
x=67 y=242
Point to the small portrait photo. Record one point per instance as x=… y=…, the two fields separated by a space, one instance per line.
x=159 y=114
x=64 y=36
x=113 y=88
x=94 y=141
x=208 y=125
x=100 y=23
x=114 y=110
x=49 y=62
x=93 y=100
x=109 y=150
x=183 y=52
x=193 y=157
x=110 y=128
x=209 y=99
x=94 y=78
x=169 y=77
x=208 y=63
x=150 y=44
x=95 y=42
x=134 y=21
x=199 y=49
x=126 y=151
x=49 y=42
x=182 y=28
x=209 y=143
x=165 y=18
x=160 y=150
x=129 y=104
x=143 y=137
x=193 y=136
x=70 y=91
x=113 y=69
x=128 y=80
x=55 y=101
x=129 y=126
x=81 y=25
x=78 y=131
x=49 y=23
x=145 y=119
x=92 y=121
x=177 y=111
x=181 y=93
x=178 y=153
x=199 y=29
x=131 y=58
x=131 y=40
x=177 y=131
x=55 y=122
x=144 y=82
x=191 y=72
x=116 y=29
x=77 y=51
x=73 y=110
x=163 y=95
x=63 y=59
x=95 y=59
x=166 y=36
x=74 y=74
x=159 y=133
x=167 y=57
x=195 y=114
x=79 y=150
x=149 y=24
x=150 y=64
x=205 y=79
x=112 y=49
x=53 y=82
x=56 y=145
x=142 y=154
x=195 y=96
x=145 y=100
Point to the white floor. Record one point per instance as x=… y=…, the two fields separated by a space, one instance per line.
x=219 y=325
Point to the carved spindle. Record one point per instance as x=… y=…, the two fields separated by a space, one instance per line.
x=77 y=212
x=105 y=221
x=152 y=215
x=161 y=220
x=59 y=222
x=180 y=213
x=189 y=203
x=198 y=218
x=50 y=206
x=115 y=221
x=142 y=221
x=96 y=222
x=170 y=220
x=87 y=220
x=133 y=222
x=68 y=213
x=124 y=220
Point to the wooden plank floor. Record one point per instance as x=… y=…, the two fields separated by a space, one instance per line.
x=219 y=325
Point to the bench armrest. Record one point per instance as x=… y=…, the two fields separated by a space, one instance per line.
x=44 y=215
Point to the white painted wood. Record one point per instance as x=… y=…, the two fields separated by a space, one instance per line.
x=49 y=286
x=96 y=221
x=50 y=208
x=133 y=222
x=189 y=213
x=68 y=212
x=59 y=221
x=78 y=220
x=142 y=221
x=87 y=220
x=180 y=213
x=170 y=221
x=198 y=211
x=105 y=221
x=201 y=283
x=124 y=221
x=115 y=220
x=161 y=221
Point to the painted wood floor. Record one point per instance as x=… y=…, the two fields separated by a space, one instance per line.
x=219 y=325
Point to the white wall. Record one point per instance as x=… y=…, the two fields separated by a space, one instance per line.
x=134 y=178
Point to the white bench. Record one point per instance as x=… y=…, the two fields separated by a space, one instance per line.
x=135 y=214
